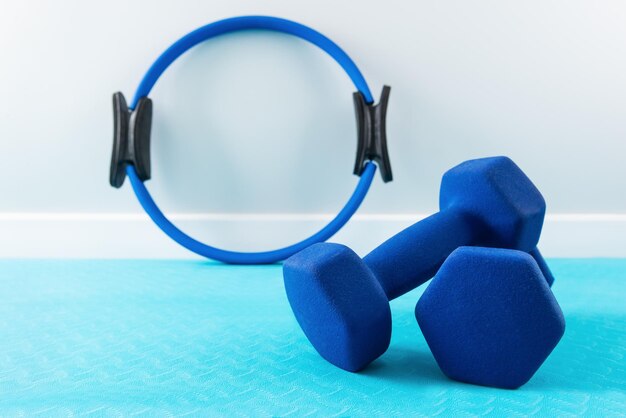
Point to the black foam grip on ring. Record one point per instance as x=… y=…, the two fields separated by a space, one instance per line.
x=131 y=139
x=371 y=134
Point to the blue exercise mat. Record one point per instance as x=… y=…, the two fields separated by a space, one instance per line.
x=197 y=338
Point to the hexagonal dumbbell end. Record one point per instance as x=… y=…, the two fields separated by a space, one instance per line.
x=489 y=317
x=339 y=305
x=497 y=194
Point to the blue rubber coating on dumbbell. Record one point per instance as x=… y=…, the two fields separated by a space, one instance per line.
x=543 y=266
x=339 y=304
x=488 y=202
x=496 y=192
x=489 y=317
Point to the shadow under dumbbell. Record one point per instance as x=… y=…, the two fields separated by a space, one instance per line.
x=405 y=365
x=591 y=357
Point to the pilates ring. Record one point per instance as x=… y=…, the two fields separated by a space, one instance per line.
x=132 y=125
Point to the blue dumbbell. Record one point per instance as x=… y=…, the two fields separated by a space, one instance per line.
x=489 y=317
x=342 y=301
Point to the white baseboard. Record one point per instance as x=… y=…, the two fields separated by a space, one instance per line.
x=119 y=235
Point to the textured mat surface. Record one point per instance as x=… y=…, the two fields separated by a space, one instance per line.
x=182 y=337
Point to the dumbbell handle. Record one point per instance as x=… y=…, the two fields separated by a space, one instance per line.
x=413 y=256
x=543 y=266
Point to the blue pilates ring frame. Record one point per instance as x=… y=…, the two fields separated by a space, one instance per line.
x=216 y=29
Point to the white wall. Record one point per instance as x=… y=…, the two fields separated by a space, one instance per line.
x=260 y=123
